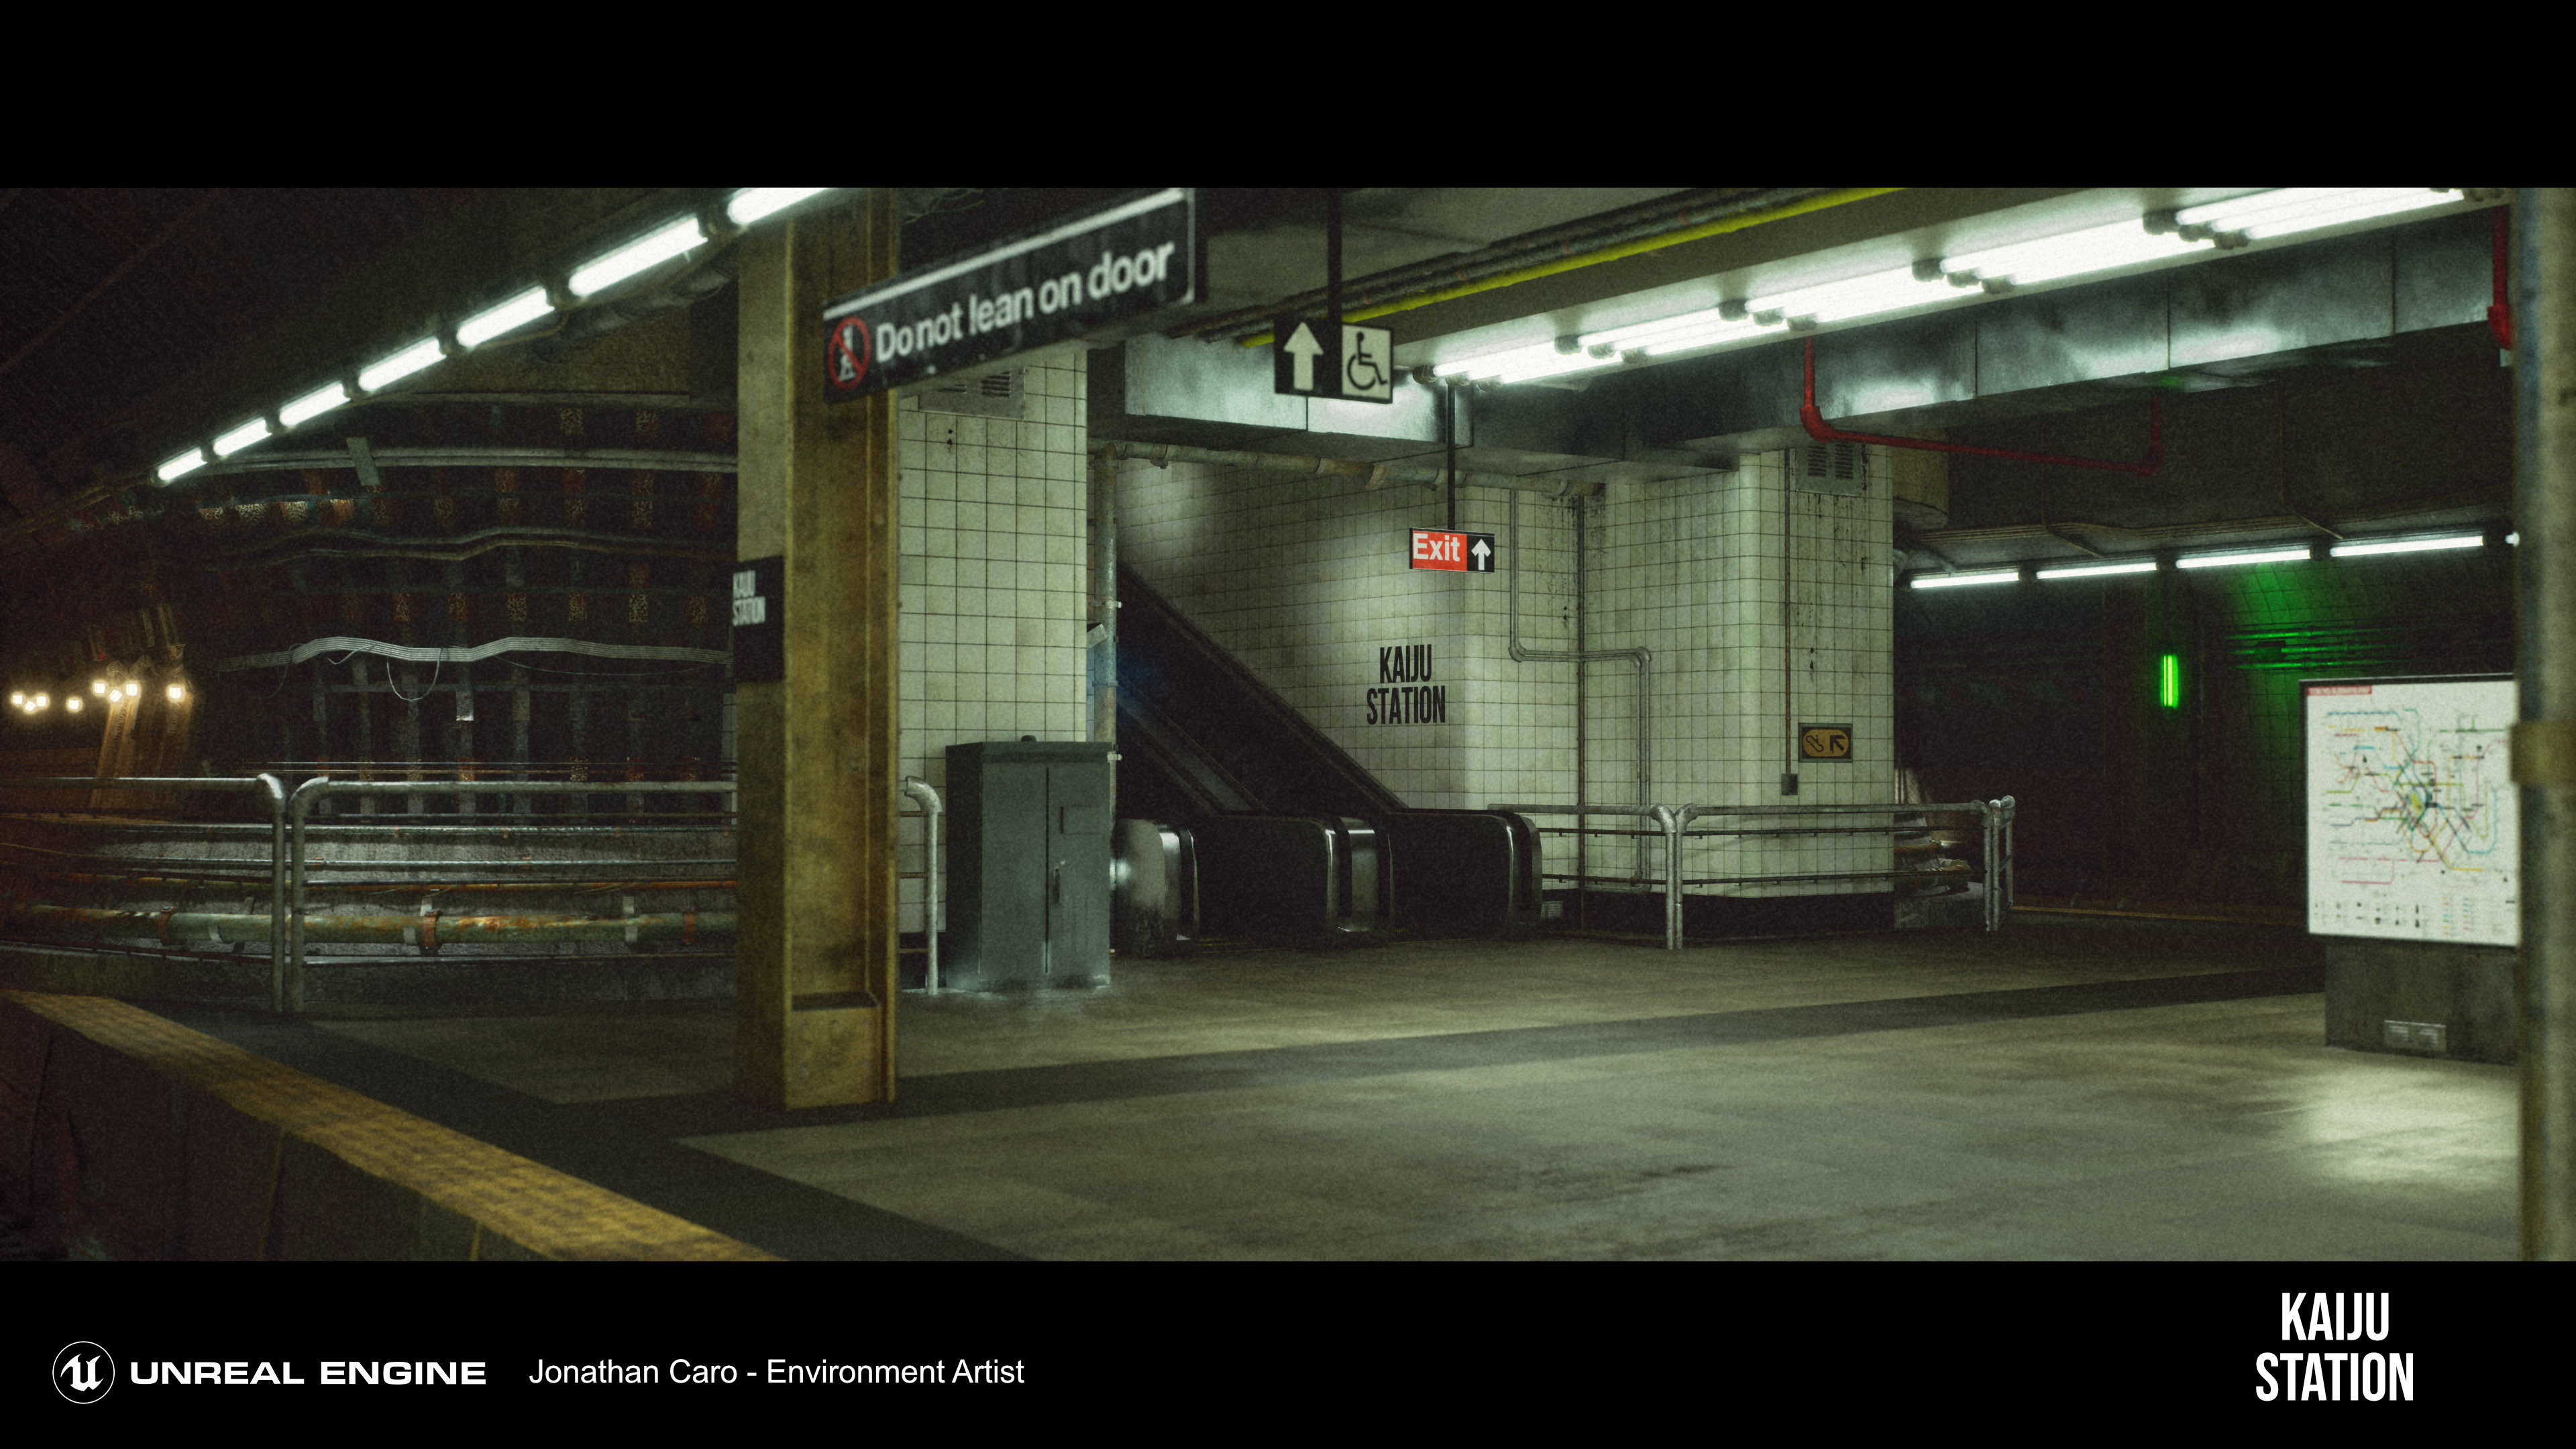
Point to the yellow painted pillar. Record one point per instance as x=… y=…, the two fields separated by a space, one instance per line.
x=814 y=1011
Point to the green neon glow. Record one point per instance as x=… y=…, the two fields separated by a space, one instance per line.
x=2169 y=686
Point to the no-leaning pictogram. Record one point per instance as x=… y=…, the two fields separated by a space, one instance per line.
x=846 y=367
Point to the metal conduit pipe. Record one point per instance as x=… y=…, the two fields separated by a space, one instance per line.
x=920 y=790
x=1642 y=658
x=1377 y=475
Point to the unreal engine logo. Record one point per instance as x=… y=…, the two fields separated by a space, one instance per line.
x=84 y=1372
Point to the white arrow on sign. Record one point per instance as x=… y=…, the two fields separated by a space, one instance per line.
x=1302 y=346
x=1481 y=551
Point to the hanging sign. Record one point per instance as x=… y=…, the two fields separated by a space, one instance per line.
x=1433 y=548
x=1063 y=282
x=1315 y=357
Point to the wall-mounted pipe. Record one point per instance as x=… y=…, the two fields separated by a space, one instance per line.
x=1377 y=475
x=920 y=790
x=1822 y=432
x=398 y=930
x=1642 y=658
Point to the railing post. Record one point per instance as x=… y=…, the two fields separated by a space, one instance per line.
x=1672 y=823
x=920 y=790
x=296 y=806
x=2008 y=859
x=276 y=794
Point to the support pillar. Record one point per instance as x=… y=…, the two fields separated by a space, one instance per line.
x=816 y=986
x=2544 y=754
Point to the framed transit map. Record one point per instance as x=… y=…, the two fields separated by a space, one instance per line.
x=2412 y=810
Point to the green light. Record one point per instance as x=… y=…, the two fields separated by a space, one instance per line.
x=2169 y=683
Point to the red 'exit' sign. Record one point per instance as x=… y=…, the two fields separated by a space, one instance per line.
x=1435 y=548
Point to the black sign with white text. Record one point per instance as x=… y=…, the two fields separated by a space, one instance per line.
x=1074 y=277
x=760 y=620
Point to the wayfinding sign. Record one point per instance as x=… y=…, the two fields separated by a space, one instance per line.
x=1320 y=358
x=1069 y=279
x=1470 y=553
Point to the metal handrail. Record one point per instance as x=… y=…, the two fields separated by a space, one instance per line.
x=1995 y=832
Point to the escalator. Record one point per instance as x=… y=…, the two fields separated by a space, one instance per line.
x=1243 y=821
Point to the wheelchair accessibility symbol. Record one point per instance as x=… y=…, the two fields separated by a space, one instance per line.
x=1368 y=364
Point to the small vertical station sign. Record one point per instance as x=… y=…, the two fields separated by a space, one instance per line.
x=760 y=620
x=1466 y=553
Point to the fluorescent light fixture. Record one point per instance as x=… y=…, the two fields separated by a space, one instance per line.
x=241 y=437
x=2410 y=545
x=2221 y=560
x=313 y=404
x=1690 y=329
x=380 y=375
x=72 y=703
x=98 y=686
x=177 y=692
x=510 y=316
x=752 y=203
x=1855 y=297
x=2169 y=681
x=181 y=466
x=2095 y=249
x=2305 y=208
x=1522 y=364
x=18 y=698
x=1952 y=581
x=635 y=256
x=2095 y=571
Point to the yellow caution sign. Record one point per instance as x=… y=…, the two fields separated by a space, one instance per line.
x=1824 y=742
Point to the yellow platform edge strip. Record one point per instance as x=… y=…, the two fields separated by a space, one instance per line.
x=552 y=1214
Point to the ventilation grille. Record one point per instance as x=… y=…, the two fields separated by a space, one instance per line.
x=1832 y=468
x=994 y=395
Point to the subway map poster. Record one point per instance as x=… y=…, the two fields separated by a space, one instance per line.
x=2411 y=810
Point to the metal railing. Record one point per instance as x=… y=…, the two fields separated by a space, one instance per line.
x=1995 y=819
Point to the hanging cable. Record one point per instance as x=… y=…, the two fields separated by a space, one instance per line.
x=424 y=689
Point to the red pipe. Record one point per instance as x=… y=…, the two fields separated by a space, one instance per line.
x=1822 y=432
x=2500 y=316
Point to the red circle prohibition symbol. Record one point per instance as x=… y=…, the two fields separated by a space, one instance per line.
x=852 y=350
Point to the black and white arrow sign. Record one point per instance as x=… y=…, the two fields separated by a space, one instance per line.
x=1302 y=349
x=1319 y=358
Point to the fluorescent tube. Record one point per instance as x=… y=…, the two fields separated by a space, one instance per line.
x=2218 y=560
x=1950 y=581
x=635 y=256
x=378 y=376
x=518 y=312
x=2410 y=545
x=753 y=203
x=313 y=404
x=180 y=466
x=241 y=437
x=2095 y=571
x=1854 y=297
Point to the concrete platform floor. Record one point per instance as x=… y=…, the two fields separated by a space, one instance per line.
x=2055 y=1091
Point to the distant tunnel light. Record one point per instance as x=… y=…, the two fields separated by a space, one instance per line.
x=72 y=703
x=2095 y=571
x=313 y=404
x=2221 y=560
x=383 y=374
x=241 y=437
x=510 y=316
x=2169 y=682
x=180 y=466
x=1952 y=581
x=2410 y=545
x=636 y=256
x=177 y=692
x=754 y=202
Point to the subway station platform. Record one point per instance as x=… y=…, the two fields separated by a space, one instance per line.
x=2062 y=1090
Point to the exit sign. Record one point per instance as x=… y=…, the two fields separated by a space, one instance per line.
x=1467 y=553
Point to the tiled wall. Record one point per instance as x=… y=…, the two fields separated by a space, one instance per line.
x=1304 y=579
x=990 y=563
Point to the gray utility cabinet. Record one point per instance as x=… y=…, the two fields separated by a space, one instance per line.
x=1028 y=861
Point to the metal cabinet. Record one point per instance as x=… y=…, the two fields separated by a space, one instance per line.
x=1028 y=860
